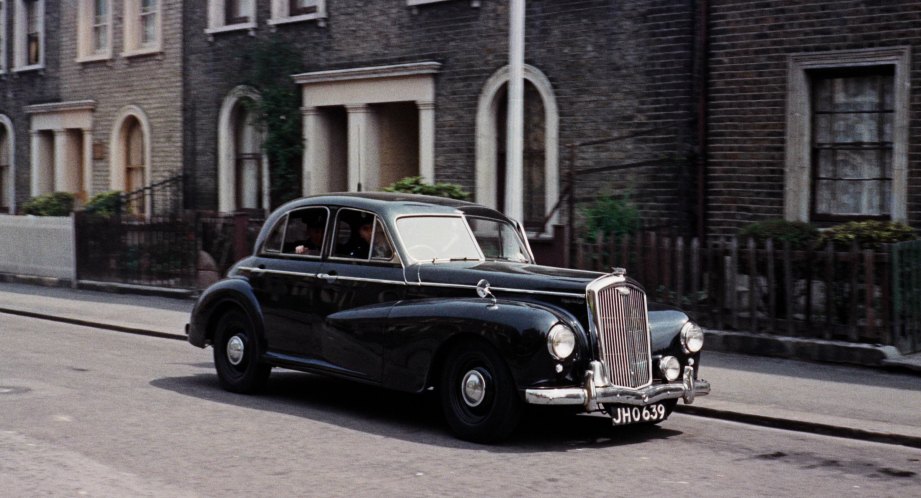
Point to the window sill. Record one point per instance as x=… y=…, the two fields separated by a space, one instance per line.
x=94 y=58
x=142 y=52
x=415 y=3
x=33 y=67
x=231 y=27
x=320 y=18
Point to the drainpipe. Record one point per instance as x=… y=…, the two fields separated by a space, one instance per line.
x=514 y=136
x=702 y=83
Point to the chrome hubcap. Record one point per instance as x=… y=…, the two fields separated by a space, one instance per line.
x=235 y=349
x=473 y=388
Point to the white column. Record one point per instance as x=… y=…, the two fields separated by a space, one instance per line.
x=514 y=169
x=358 y=122
x=88 y=162
x=427 y=141
x=36 y=187
x=60 y=162
x=313 y=179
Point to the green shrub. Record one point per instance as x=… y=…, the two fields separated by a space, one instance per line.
x=104 y=204
x=798 y=233
x=868 y=234
x=414 y=185
x=56 y=204
x=611 y=216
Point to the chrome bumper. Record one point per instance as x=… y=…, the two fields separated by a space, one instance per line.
x=593 y=396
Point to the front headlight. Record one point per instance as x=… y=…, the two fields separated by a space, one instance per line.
x=692 y=337
x=669 y=368
x=561 y=341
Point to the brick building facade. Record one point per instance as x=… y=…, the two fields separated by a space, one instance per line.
x=421 y=89
x=25 y=79
x=90 y=98
x=811 y=111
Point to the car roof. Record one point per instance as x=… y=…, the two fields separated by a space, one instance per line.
x=391 y=205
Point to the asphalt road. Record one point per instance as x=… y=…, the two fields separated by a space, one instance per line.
x=85 y=412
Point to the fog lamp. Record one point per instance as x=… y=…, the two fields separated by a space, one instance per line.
x=670 y=368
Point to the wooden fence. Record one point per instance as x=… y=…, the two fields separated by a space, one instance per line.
x=856 y=295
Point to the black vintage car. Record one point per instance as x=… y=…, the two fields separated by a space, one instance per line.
x=414 y=292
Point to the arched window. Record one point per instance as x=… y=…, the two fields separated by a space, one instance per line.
x=534 y=163
x=242 y=168
x=130 y=164
x=247 y=158
x=541 y=163
x=135 y=168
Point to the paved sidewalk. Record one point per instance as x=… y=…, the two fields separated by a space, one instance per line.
x=866 y=403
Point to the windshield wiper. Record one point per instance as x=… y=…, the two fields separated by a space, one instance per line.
x=464 y=259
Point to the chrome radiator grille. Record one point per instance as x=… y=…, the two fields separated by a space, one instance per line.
x=623 y=334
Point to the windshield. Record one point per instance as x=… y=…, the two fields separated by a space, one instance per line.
x=449 y=238
x=498 y=240
x=437 y=237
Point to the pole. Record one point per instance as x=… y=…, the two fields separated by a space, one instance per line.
x=514 y=169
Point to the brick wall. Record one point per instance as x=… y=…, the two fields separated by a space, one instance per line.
x=152 y=83
x=615 y=67
x=20 y=89
x=749 y=45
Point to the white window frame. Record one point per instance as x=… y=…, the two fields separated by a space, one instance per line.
x=217 y=18
x=487 y=133
x=413 y=3
x=3 y=37
x=132 y=32
x=798 y=154
x=281 y=13
x=20 y=40
x=86 y=24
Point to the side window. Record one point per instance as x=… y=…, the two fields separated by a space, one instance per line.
x=381 y=248
x=353 y=234
x=305 y=231
x=361 y=235
x=276 y=236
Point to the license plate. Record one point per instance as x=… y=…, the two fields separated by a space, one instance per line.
x=623 y=415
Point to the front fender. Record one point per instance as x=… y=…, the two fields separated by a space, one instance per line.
x=216 y=299
x=422 y=332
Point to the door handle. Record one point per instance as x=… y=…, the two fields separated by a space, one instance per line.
x=329 y=277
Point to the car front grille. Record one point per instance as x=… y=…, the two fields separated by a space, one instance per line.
x=623 y=334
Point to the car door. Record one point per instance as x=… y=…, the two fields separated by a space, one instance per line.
x=362 y=278
x=285 y=283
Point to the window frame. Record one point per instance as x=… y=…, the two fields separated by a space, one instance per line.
x=815 y=77
x=798 y=170
x=281 y=13
x=21 y=33
x=217 y=18
x=4 y=37
x=133 y=29
x=324 y=246
x=333 y=238
x=86 y=31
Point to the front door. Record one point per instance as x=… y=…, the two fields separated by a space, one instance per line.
x=362 y=278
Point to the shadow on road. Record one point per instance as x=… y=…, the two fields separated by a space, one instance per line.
x=410 y=417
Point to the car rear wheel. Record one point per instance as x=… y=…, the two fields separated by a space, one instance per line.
x=237 y=355
x=478 y=394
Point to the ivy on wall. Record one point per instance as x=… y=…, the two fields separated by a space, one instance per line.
x=278 y=114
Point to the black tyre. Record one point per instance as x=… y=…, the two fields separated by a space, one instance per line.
x=478 y=394
x=237 y=354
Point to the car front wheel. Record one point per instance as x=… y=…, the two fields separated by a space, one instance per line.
x=478 y=394
x=236 y=355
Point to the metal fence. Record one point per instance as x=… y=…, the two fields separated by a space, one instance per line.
x=164 y=251
x=156 y=251
x=857 y=295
